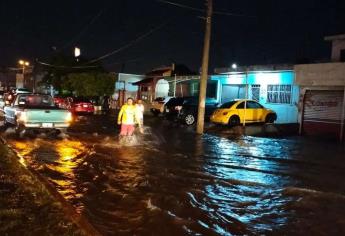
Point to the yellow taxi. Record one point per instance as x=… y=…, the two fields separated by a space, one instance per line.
x=233 y=113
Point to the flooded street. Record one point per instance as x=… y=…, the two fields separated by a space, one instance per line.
x=171 y=182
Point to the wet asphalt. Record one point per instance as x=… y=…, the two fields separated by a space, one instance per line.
x=170 y=181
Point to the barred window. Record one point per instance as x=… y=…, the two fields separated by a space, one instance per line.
x=255 y=92
x=279 y=94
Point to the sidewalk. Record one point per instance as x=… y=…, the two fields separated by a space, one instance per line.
x=26 y=207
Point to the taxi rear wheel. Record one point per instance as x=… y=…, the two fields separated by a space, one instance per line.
x=233 y=121
x=270 y=118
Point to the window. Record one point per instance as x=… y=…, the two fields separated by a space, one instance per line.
x=228 y=104
x=255 y=92
x=240 y=106
x=253 y=105
x=279 y=94
x=212 y=88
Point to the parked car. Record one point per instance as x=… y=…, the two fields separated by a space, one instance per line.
x=60 y=102
x=80 y=105
x=34 y=111
x=158 y=105
x=22 y=90
x=233 y=113
x=185 y=109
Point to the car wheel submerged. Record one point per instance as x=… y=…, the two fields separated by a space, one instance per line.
x=270 y=118
x=233 y=121
x=189 y=119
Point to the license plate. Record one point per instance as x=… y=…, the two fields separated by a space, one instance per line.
x=47 y=125
x=85 y=105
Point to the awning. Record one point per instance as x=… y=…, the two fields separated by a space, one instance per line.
x=144 y=81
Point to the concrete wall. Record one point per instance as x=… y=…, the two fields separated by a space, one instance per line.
x=323 y=74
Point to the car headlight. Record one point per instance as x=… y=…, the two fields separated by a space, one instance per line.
x=69 y=117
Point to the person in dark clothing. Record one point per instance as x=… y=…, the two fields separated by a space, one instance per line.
x=105 y=104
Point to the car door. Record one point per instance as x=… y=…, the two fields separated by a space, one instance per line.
x=244 y=113
x=256 y=111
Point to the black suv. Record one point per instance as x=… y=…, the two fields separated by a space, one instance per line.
x=185 y=109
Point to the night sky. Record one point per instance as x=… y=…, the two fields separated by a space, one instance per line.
x=271 y=32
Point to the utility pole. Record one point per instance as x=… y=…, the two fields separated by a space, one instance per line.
x=204 y=70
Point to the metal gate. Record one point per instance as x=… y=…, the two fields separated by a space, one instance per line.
x=230 y=92
x=322 y=112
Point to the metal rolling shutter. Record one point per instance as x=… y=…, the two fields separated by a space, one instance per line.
x=322 y=112
x=230 y=92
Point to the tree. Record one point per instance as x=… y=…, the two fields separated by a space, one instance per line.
x=60 y=66
x=89 y=84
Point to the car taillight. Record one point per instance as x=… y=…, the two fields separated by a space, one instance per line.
x=22 y=117
x=69 y=117
x=225 y=113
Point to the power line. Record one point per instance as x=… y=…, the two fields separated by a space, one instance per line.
x=181 y=5
x=128 y=45
x=64 y=67
x=86 y=27
x=202 y=10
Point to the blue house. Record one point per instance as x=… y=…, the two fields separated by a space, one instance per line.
x=273 y=87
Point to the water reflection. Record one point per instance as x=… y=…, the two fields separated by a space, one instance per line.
x=188 y=185
x=56 y=159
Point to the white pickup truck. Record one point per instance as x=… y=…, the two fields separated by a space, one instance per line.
x=35 y=111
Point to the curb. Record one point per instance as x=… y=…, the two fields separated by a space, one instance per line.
x=80 y=220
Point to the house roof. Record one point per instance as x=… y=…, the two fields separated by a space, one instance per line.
x=335 y=37
x=144 y=81
x=252 y=68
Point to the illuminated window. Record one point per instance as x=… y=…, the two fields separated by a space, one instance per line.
x=255 y=92
x=279 y=94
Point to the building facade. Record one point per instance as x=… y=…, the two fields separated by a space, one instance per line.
x=274 y=89
x=322 y=103
x=124 y=87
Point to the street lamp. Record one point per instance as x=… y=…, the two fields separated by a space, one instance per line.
x=23 y=64
x=234 y=66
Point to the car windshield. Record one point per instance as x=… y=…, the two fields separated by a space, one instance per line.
x=22 y=90
x=191 y=100
x=228 y=104
x=175 y=102
x=36 y=100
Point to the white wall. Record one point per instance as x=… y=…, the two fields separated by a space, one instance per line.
x=162 y=88
x=323 y=74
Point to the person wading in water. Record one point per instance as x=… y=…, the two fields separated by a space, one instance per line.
x=127 y=119
x=140 y=114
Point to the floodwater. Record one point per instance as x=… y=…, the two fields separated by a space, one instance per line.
x=171 y=182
